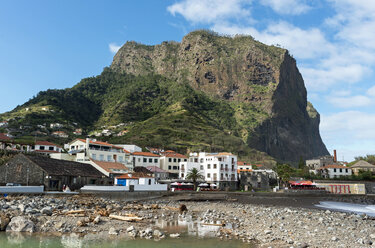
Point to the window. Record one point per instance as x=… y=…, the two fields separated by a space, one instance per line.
x=50 y=148
x=182 y=175
x=185 y=160
x=221 y=176
x=121 y=158
x=215 y=176
x=174 y=160
x=340 y=170
x=179 y=160
x=109 y=159
x=208 y=175
x=80 y=146
x=155 y=160
x=208 y=166
x=169 y=159
x=201 y=160
x=215 y=166
x=101 y=157
x=175 y=168
x=144 y=160
x=93 y=156
x=71 y=147
x=74 y=180
x=346 y=170
x=139 y=160
x=169 y=167
x=41 y=147
x=149 y=181
x=150 y=160
x=334 y=170
x=201 y=167
x=221 y=166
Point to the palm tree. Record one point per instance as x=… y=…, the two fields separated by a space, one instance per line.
x=194 y=174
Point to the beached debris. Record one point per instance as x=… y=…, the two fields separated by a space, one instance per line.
x=182 y=208
x=125 y=218
x=71 y=212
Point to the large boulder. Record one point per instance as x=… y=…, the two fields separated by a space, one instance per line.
x=4 y=221
x=20 y=224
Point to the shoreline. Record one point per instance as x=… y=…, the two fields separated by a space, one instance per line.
x=251 y=219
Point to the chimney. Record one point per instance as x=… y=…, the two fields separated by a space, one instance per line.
x=334 y=156
x=87 y=147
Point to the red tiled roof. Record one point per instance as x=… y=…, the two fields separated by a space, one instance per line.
x=174 y=155
x=145 y=154
x=108 y=166
x=133 y=175
x=102 y=143
x=334 y=166
x=4 y=137
x=45 y=143
x=242 y=163
x=126 y=176
x=167 y=151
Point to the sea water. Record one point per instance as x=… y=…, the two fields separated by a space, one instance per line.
x=19 y=240
x=348 y=207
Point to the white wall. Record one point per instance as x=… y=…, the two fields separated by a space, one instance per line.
x=153 y=187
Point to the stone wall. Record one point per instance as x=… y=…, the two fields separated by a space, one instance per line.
x=23 y=171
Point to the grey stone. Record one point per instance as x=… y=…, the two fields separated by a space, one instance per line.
x=112 y=231
x=21 y=224
x=174 y=235
x=47 y=211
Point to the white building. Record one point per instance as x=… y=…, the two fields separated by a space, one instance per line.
x=170 y=161
x=316 y=163
x=45 y=147
x=145 y=159
x=134 y=179
x=56 y=125
x=84 y=150
x=334 y=171
x=130 y=148
x=217 y=168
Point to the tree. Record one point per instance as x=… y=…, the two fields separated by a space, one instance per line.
x=301 y=163
x=194 y=174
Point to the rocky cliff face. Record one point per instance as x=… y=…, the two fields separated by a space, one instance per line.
x=261 y=83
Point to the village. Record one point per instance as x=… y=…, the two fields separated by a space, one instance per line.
x=90 y=165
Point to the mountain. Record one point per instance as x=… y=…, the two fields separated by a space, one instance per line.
x=208 y=92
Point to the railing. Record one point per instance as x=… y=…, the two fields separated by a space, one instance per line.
x=106 y=150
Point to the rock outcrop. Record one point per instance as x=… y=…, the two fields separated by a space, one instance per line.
x=262 y=84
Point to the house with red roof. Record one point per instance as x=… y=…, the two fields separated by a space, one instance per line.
x=145 y=159
x=4 y=140
x=134 y=178
x=88 y=150
x=334 y=171
x=170 y=161
x=45 y=147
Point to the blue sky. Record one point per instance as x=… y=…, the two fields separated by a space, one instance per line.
x=54 y=44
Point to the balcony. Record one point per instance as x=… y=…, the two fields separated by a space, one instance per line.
x=106 y=150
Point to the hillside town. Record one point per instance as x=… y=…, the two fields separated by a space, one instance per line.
x=93 y=165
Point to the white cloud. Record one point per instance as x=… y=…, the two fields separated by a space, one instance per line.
x=350 y=132
x=351 y=101
x=210 y=11
x=113 y=47
x=293 y=7
x=371 y=91
x=303 y=44
x=322 y=78
x=348 y=125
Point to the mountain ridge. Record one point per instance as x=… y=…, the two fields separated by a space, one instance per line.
x=230 y=93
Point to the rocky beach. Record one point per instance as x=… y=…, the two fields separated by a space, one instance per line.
x=259 y=225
